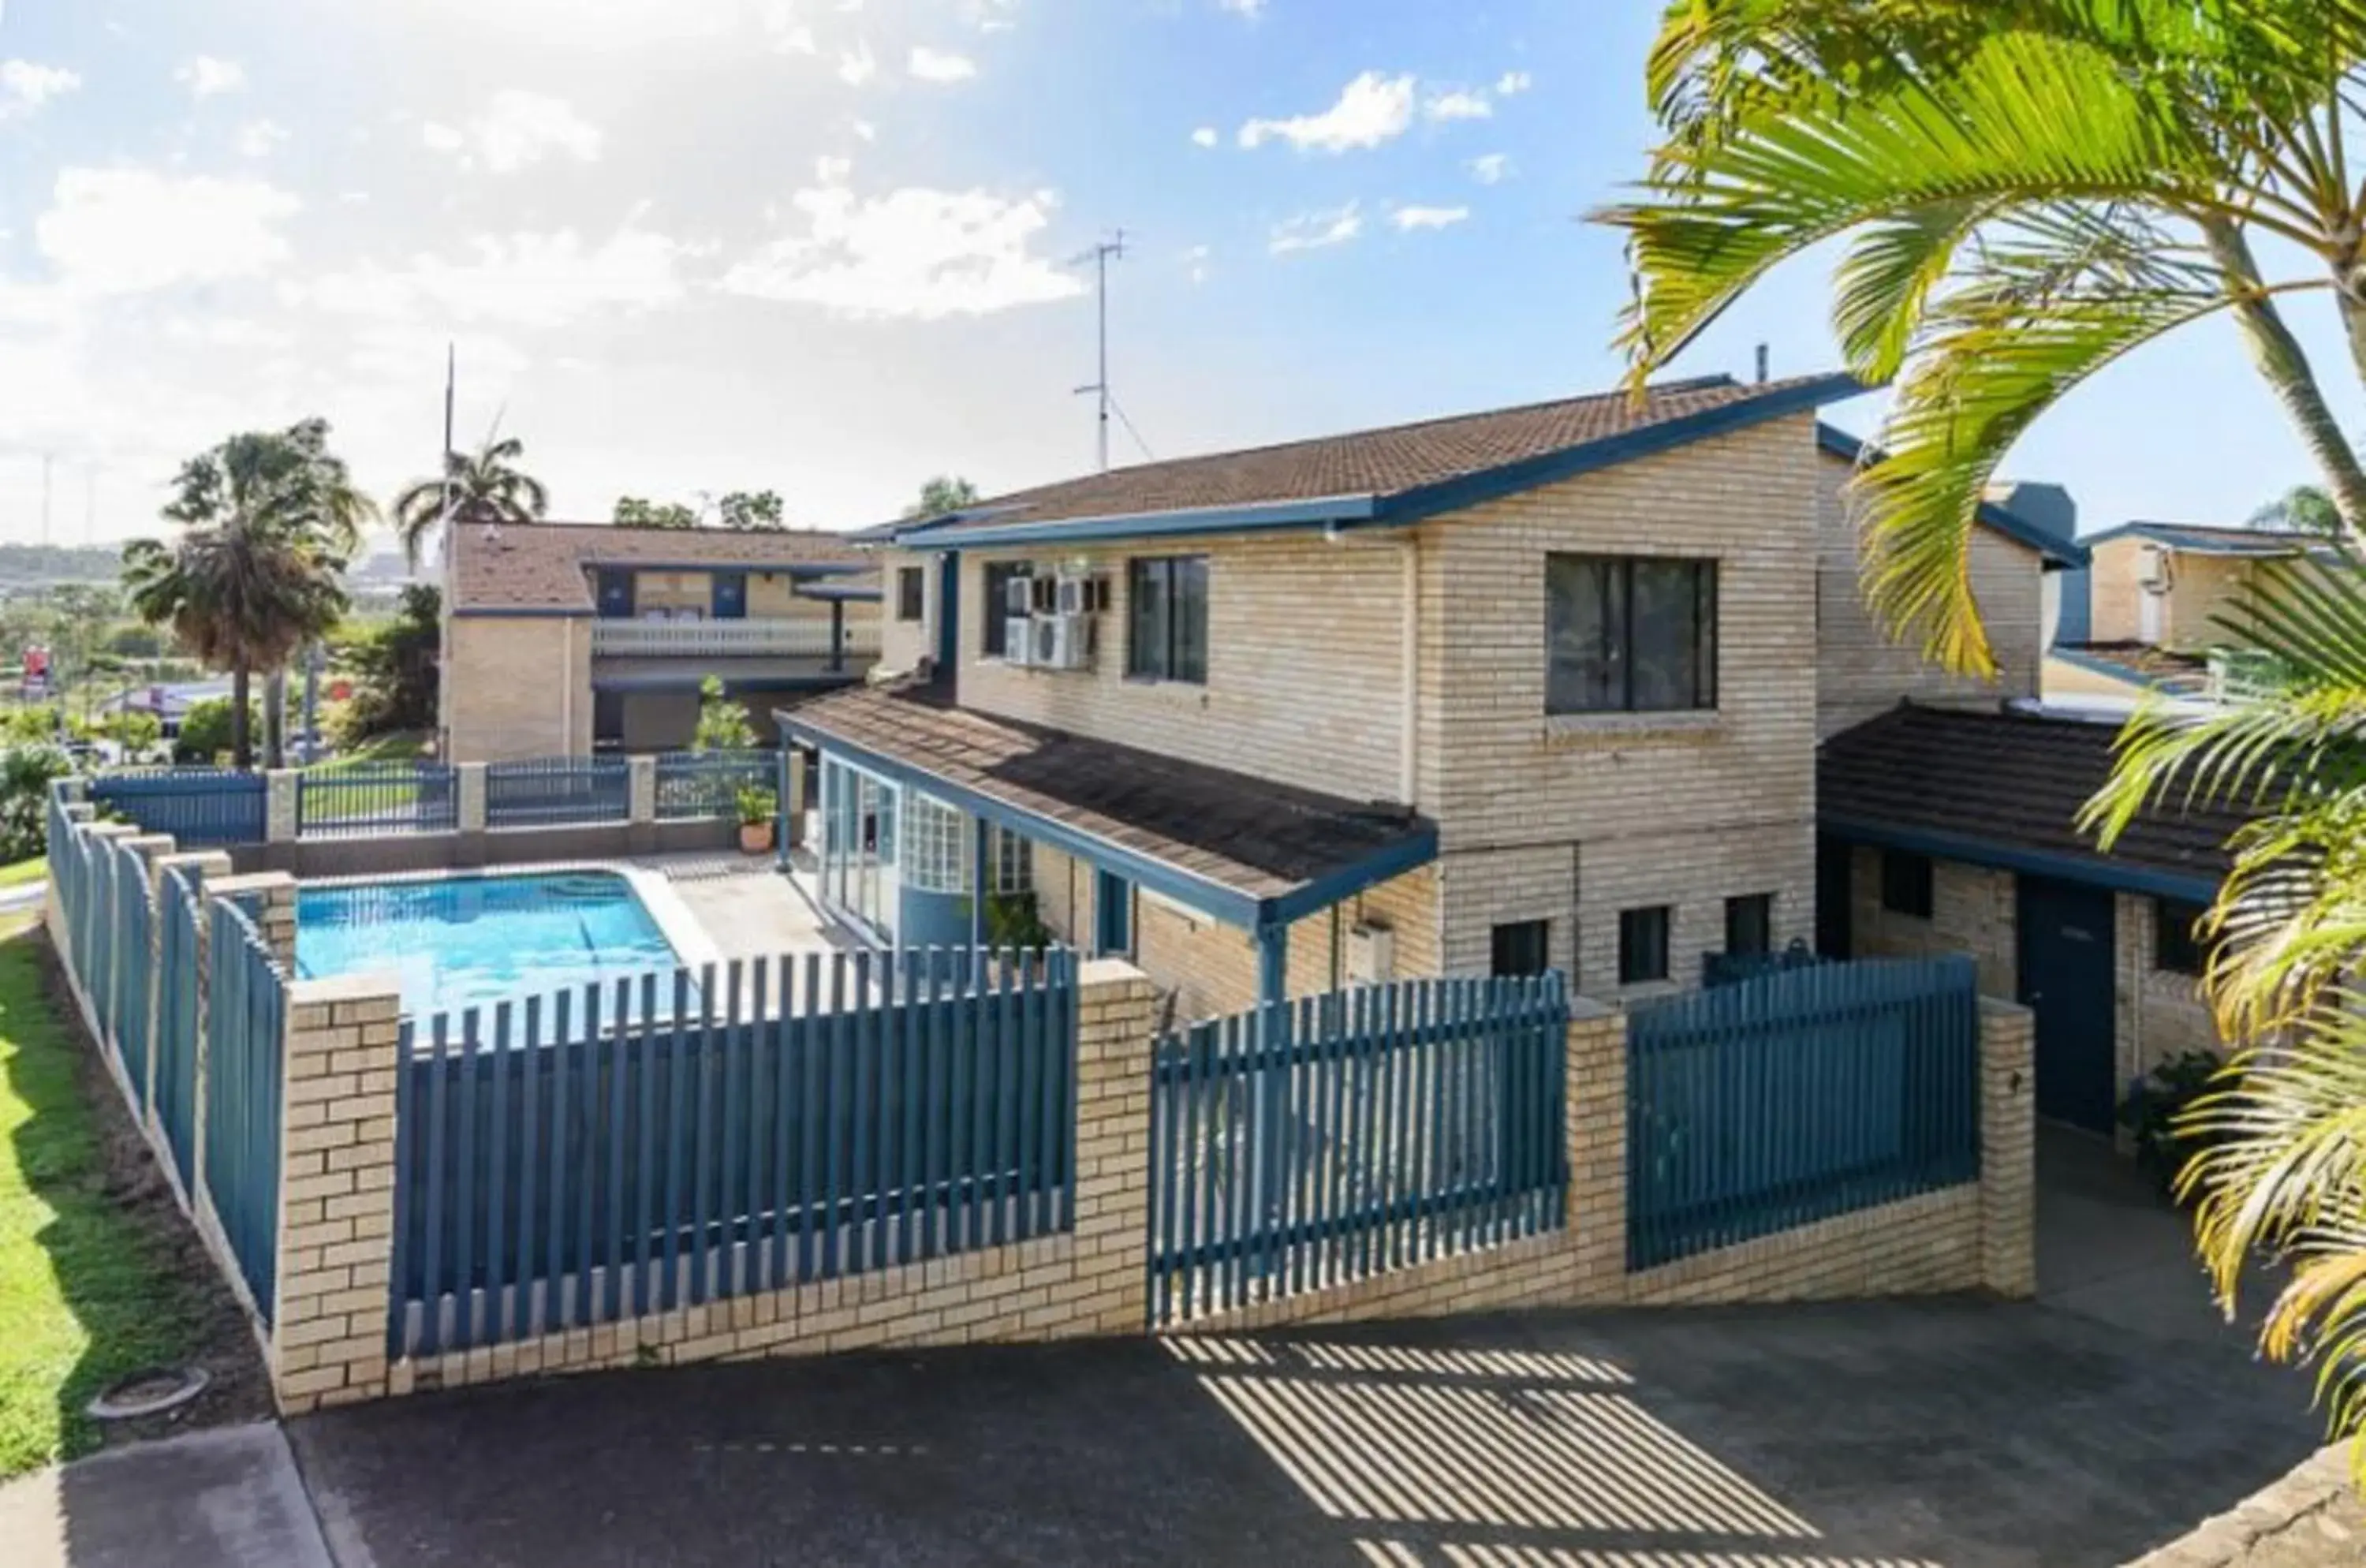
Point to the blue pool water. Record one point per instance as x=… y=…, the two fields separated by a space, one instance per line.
x=464 y=940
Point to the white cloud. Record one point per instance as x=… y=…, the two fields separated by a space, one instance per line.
x=1195 y=264
x=939 y=65
x=865 y=129
x=522 y=280
x=913 y=253
x=1408 y=218
x=989 y=16
x=858 y=65
x=25 y=86
x=100 y=235
x=1252 y=10
x=1490 y=168
x=1313 y=230
x=1458 y=105
x=1511 y=84
x=258 y=138
x=517 y=130
x=206 y=77
x=1204 y=137
x=779 y=22
x=1371 y=110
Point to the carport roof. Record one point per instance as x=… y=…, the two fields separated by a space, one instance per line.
x=1247 y=850
x=2005 y=789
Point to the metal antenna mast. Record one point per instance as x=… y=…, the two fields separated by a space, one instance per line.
x=1100 y=255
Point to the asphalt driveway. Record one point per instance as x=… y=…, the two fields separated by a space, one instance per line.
x=2085 y=1429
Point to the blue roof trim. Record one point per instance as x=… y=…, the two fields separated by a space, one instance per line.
x=1551 y=468
x=852 y=594
x=2263 y=543
x=1324 y=511
x=1409 y=854
x=2067 y=553
x=763 y=568
x=2098 y=872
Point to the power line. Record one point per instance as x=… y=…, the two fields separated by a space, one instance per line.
x=1147 y=455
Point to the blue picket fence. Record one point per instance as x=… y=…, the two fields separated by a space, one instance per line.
x=707 y=783
x=364 y=799
x=1390 y=1125
x=176 y=1022
x=199 y=806
x=1773 y=1102
x=130 y=983
x=245 y=1010
x=660 y=1143
x=550 y=792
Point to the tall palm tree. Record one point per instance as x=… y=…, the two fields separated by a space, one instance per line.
x=483 y=486
x=269 y=520
x=2029 y=190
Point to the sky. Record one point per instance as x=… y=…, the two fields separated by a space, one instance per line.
x=829 y=247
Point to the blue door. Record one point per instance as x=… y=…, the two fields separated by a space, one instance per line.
x=615 y=594
x=2065 y=957
x=1112 y=915
x=730 y=597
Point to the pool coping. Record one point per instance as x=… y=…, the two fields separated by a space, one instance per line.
x=693 y=947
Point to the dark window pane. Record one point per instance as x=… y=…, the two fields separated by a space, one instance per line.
x=1704 y=634
x=1906 y=884
x=1750 y=924
x=1663 y=625
x=1522 y=948
x=2177 y=945
x=1146 y=618
x=1189 y=654
x=996 y=613
x=1582 y=634
x=909 y=591
x=1643 y=945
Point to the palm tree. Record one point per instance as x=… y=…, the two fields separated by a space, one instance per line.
x=483 y=486
x=2028 y=191
x=269 y=520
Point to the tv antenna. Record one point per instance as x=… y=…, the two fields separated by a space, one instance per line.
x=1100 y=257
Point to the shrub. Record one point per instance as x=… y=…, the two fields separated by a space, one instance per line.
x=26 y=774
x=1013 y=919
x=723 y=724
x=2156 y=1112
x=205 y=730
x=757 y=805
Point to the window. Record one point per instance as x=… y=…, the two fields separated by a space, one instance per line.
x=936 y=845
x=1906 y=884
x=1012 y=862
x=1167 y=619
x=1524 y=947
x=996 y=612
x=2177 y=944
x=911 y=592
x=1628 y=635
x=1643 y=945
x=1750 y=924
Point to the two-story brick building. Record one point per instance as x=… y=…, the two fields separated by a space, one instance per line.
x=561 y=638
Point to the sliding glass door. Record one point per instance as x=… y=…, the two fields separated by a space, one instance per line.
x=859 y=874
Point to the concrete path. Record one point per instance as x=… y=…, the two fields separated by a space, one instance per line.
x=229 y=1498
x=2086 y=1428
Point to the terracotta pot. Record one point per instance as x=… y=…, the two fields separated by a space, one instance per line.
x=755 y=838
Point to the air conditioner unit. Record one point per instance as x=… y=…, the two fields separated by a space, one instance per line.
x=1371 y=955
x=1042 y=646
x=1019 y=639
x=1080 y=595
x=1070 y=644
x=1019 y=597
x=2159 y=576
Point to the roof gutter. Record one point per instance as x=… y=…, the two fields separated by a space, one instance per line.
x=1322 y=512
x=2094 y=872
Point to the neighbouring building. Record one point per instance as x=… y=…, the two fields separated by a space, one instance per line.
x=561 y=639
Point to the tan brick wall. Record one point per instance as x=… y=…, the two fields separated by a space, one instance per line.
x=2115 y=567
x=1972 y=909
x=2201 y=587
x=2064 y=679
x=337 y=1192
x=2160 y=1014
x=517 y=687
x=2008 y=1148
x=1861 y=671
x=1089 y=1281
x=903 y=644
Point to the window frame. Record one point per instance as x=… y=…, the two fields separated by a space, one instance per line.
x=1633 y=950
x=911 y=594
x=1761 y=906
x=1506 y=934
x=1618 y=649
x=995 y=622
x=1171 y=662
x=1910 y=884
x=2177 y=948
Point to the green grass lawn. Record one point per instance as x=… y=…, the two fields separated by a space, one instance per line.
x=402 y=745
x=25 y=870
x=87 y=1292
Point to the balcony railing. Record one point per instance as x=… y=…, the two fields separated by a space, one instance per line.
x=2241 y=675
x=730 y=640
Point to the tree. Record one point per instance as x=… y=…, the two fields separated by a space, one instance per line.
x=723 y=724
x=26 y=773
x=483 y=486
x=743 y=512
x=2303 y=509
x=210 y=729
x=2032 y=189
x=393 y=665
x=637 y=512
x=944 y=493
x=268 y=521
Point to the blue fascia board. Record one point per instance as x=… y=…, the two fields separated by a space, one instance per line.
x=1569 y=462
x=2262 y=544
x=2098 y=872
x=1325 y=512
x=1226 y=904
x=1408 y=854
x=2070 y=554
x=523 y=613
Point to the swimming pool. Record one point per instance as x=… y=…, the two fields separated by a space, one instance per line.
x=461 y=941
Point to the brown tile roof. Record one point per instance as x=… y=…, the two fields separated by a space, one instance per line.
x=545 y=566
x=2010 y=781
x=1377 y=463
x=1257 y=838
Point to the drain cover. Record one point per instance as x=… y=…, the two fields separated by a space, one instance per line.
x=151 y=1391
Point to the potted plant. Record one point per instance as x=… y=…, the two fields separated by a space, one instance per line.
x=757 y=806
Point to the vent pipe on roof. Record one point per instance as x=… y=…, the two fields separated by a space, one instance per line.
x=1763 y=357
